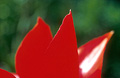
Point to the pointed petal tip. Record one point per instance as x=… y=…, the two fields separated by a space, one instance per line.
x=38 y=22
x=67 y=18
x=70 y=12
x=38 y=19
x=98 y=48
x=41 y=22
x=110 y=34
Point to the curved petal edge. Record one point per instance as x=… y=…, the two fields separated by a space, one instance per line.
x=91 y=56
x=31 y=50
x=5 y=74
x=61 y=58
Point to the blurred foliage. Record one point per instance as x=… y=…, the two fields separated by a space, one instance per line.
x=92 y=18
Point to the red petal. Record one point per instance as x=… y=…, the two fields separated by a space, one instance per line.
x=91 y=56
x=61 y=58
x=31 y=50
x=16 y=76
x=5 y=74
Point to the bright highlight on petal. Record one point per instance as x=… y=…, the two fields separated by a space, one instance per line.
x=91 y=59
x=41 y=56
x=16 y=75
x=91 y=56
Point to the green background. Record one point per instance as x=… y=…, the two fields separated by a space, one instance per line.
x=92 y=18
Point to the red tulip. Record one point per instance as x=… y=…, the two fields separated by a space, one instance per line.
x=42 y=56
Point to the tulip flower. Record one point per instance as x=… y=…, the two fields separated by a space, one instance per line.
x=42 y=56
